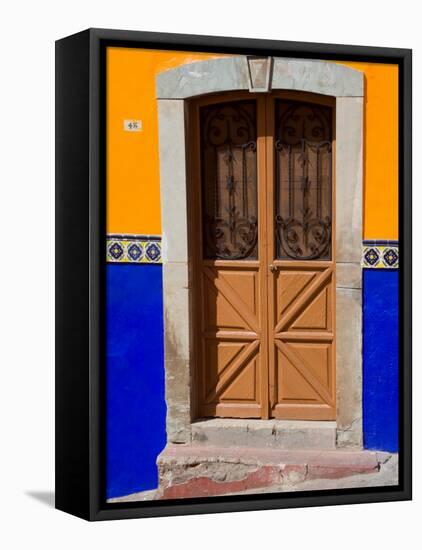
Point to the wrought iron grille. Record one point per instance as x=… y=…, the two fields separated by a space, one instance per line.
x=303 y=180
x=229 y=181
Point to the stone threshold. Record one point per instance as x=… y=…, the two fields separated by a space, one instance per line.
x=189 y=471
x=272 y=434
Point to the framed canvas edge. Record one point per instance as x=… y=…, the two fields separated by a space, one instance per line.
x=94 y=449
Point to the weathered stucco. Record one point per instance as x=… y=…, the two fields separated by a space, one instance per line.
x=227 y=74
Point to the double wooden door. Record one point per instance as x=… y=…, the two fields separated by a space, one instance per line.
x=263 y=256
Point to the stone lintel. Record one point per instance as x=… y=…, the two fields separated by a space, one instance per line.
x=227 y=74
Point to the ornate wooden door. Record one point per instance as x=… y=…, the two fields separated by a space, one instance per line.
x=263 y=257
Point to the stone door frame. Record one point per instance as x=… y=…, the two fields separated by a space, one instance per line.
x=239 y=73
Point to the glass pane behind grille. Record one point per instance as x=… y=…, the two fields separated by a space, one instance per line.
x=229 y=181
x=303 y=138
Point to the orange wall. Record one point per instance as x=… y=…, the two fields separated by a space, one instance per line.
x=133 y=181
x=381 y=169
x=133 y=192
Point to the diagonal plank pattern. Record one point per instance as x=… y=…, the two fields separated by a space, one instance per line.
x=231 y=341
x=232 y=297
x=303 y=378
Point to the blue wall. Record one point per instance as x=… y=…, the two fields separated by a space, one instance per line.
x=136 y=408
x=380 y=359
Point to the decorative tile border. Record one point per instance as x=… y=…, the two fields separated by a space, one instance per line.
x=146 y=249
x=133 y=249
x=380 y=254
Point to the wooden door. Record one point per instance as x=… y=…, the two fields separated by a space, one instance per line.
x=263 y=257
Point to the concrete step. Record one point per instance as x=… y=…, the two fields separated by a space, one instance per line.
x=272 y=434
x=187 y=471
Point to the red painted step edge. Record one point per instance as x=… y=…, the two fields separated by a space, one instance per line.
x=204 y=486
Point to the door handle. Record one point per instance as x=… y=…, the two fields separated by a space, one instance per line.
x=273 y=268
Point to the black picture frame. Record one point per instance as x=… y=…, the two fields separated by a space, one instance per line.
x=80 y=272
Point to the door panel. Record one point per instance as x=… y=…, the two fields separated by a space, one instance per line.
x=229 y=181
x=303 y=194
x=231 y=339
x=302 y=373
x=230 y=263
x=231 y=298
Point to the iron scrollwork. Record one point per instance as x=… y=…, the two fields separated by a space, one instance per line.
x=229 y=187
x=303 y=214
